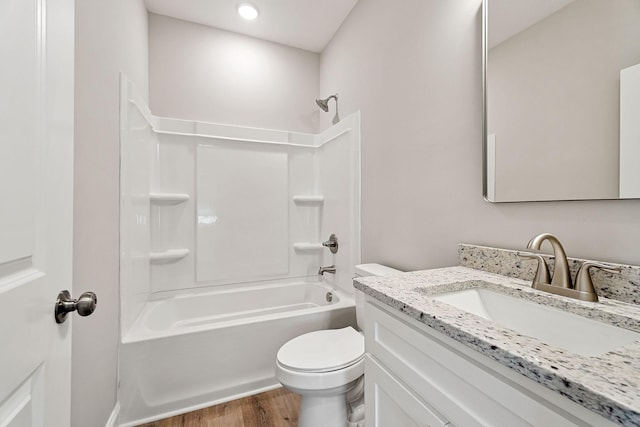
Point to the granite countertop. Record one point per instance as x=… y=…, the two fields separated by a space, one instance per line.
x=607 y=384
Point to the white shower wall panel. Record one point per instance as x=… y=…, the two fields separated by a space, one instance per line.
x=339 y=166
x=223 y=205
x=242 y=231
x=137 y=143
x=172 y=226
x=246 y=171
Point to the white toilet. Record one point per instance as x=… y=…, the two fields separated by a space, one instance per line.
x=326 y=368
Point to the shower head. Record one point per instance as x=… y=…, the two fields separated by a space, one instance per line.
x=324 y=104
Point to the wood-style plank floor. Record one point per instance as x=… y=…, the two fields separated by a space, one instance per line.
x=275 y=408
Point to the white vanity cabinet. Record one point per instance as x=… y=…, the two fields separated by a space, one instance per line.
x=416 y=376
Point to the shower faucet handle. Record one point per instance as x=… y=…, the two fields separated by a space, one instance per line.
x=332 y=244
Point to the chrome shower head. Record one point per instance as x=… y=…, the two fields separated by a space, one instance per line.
x=324 y=104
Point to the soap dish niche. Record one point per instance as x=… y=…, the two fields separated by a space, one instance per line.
x=170 y=255
x=312 y=200
x=168 y=198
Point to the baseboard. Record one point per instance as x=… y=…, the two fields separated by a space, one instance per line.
x=199 y=406
x=113 y=418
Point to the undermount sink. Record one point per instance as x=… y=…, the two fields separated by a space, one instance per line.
x=550 y=325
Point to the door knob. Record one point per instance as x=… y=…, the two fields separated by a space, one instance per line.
x=85 y=305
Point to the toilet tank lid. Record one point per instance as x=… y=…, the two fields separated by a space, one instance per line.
x=373 y=269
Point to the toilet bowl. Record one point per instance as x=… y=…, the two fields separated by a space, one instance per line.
x=326 y=368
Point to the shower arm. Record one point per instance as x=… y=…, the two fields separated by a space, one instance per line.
x=336 y=118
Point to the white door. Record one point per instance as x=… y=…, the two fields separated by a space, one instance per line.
x=36 y=165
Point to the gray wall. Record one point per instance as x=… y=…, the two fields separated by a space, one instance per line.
x=111 y=36
x=414 y=69
x=205 y=74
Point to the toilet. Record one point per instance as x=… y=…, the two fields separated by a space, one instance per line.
x=326 y=368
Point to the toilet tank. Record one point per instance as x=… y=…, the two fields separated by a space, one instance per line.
x=364 y=270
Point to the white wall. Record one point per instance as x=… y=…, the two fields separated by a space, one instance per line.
x=204 y=74
x=110 y=36
x=414 y=70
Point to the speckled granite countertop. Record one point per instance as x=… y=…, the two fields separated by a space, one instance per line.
x=608 y=384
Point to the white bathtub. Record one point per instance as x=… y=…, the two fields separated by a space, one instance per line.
x=191 y=351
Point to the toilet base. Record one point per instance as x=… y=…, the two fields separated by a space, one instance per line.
x=323 y=411
x=324 y=408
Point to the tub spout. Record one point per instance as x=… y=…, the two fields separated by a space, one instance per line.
x=331 y=269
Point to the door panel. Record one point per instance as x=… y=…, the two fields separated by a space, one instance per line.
x=18 y=75
x=20 y=409
x=36 y=164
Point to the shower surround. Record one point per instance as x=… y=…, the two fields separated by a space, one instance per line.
x=221 y=231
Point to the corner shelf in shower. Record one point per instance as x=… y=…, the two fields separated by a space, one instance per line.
x=308 y=200
x=168 y=198
x=168 y=255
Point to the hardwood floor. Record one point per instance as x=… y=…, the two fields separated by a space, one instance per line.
x=275 y=408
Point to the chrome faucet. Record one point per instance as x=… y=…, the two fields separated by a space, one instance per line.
x=560 y=275
x=561 y=279
x=331 y=269
x=332 y=244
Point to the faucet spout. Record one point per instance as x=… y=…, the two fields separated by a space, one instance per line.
x=330 y=269
x=561 y=276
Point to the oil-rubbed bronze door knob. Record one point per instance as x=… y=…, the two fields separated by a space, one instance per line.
x=85 y=305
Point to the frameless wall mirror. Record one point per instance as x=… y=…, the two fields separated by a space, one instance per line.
x=562 y=100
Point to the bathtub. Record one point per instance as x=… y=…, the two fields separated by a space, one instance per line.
x=191 y=351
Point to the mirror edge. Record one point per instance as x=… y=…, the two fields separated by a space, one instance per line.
x=485 y=53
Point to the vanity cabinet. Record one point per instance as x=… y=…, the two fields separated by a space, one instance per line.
x=395 y=404
x=416 y=376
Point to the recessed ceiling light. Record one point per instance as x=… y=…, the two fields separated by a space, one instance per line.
x=247 y=11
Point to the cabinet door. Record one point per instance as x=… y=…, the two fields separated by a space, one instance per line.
x=391 y=404
x=464 y=386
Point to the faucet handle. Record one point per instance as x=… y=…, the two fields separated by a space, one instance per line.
x=583 y=278
x=332 y=244
x=542 y=273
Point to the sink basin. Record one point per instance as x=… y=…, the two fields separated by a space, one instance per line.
x=550 y=325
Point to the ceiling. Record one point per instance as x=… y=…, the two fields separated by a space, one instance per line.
x=508 y=17
x=305 y=24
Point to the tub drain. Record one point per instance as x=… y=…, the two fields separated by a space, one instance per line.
x=329 y=297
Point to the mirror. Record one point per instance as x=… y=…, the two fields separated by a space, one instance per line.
x=562 y=100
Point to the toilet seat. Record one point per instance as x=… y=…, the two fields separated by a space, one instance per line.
x=322 y=351
x=319 y=382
